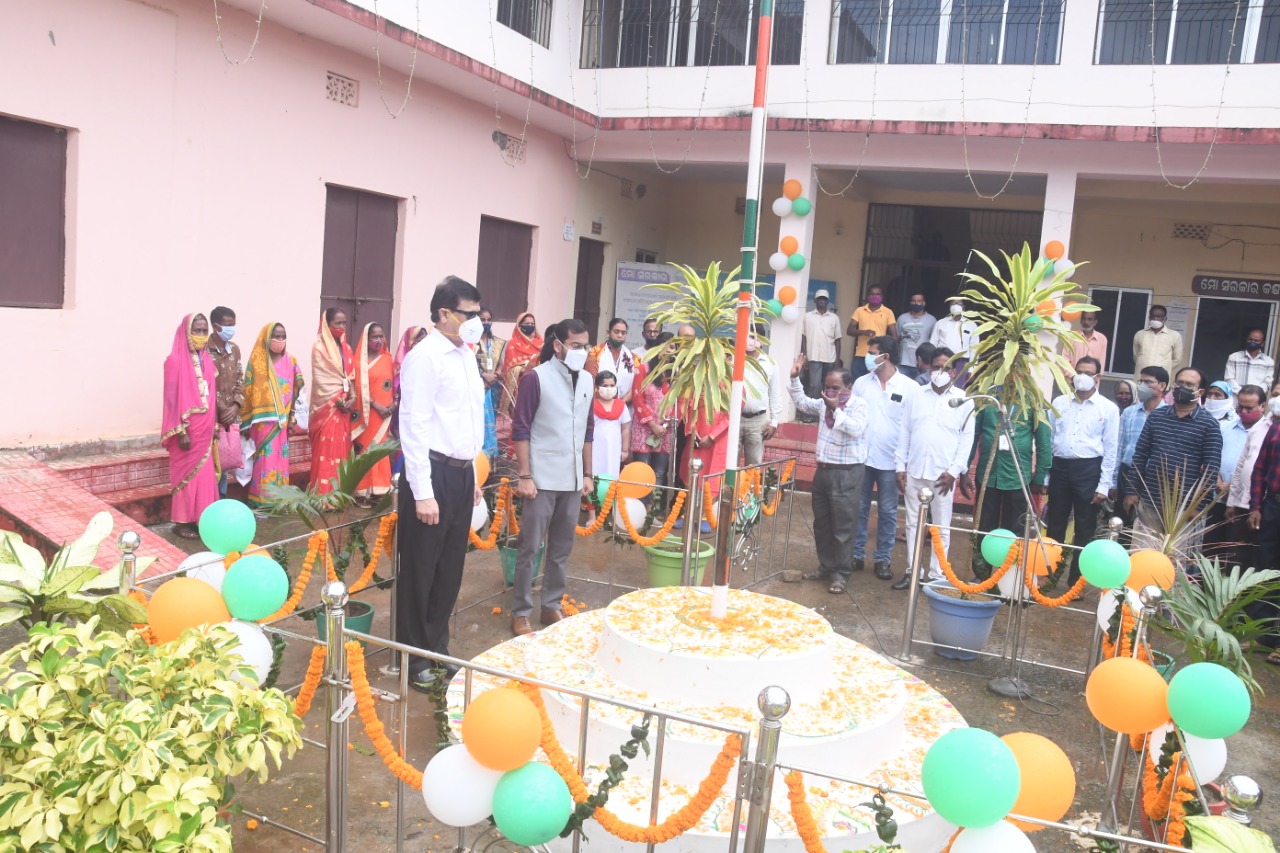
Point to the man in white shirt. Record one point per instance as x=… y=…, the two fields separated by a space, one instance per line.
x=1157 y=345
x=1253 y=417
x=1086 y=439
x=933 y=451
x=762 y=401
x=441 y=433
x=821 y=341
x=1250 y=366
x=886 y=389
x=960 y=336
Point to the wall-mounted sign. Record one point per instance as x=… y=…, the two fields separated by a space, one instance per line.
x=1238 y=287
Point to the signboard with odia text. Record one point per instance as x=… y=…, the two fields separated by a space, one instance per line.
x=1236 y=287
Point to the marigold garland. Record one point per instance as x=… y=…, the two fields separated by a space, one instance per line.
x=386 y=530
x=708 y=506
x=501 y=506
x=676 y=824
x=1163 y=801
x=368 y=711
x=663 y=532
x=609 y=496
x=315 y=670
x=971 y=588
x=952 y=840
x=318 y=540
x=806 y=826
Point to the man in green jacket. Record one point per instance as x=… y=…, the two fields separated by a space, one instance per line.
x=1003 y=504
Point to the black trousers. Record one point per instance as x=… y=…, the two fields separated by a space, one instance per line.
x=431 y=559
x=1268 y=557
x=1072 y=485
x=837 y=502
x=1228 y=541
x=1000 y=508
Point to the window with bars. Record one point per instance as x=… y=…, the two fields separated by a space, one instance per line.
x=927 y=32
x=1187 y=32
x=530 y=18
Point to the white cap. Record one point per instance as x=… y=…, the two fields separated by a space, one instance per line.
x=822 y=294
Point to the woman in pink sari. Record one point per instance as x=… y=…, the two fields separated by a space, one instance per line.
x=187 y=424
x=332 y=396
x=272 y=382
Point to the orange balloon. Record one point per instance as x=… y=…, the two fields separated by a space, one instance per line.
x=789 y=246
x=636 y=480
x=1071 y=312
x=1149 y=567
x=1054 y=250
x=1127 y=695
x=1037 y=564
x=1046 y=308
x=792 y=189
x=182 y=603
x=786 y=294
x=502 y=728
x=482 y=468
x=1048 y=779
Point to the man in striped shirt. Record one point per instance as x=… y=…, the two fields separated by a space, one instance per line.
x=1250 y=366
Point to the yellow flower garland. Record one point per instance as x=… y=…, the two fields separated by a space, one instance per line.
x=500 y=509
x=1077 y=589
x=315 y=670
x=368 y=711
x=386 y=529
x=318 y=540
x=663 y=532
x=595 y=526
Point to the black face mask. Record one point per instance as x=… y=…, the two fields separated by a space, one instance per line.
x=651 y=337
x=528 y=328
x=916 y=307
x=1184 y=396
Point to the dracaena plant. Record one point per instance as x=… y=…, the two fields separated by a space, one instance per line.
x=67 y=587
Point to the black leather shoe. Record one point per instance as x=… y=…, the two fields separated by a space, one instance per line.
x=901 y=583
x=859 y=564
x=425 y=680
x=883 y=571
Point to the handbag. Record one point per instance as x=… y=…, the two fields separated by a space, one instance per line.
x=229 y=449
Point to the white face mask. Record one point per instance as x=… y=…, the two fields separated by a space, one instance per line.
x=1156 y=325
x=1217 y=408
x=471 y=331
x=607 y=392
x=940 y=378
x=956 y=309
x=575 y=359
x=1273 y=406
x=1084 y=383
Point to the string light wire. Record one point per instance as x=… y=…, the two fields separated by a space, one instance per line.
x=706 y=80
x=573 y=100
x=378 y=24
x=510 y=157
x=257 y=33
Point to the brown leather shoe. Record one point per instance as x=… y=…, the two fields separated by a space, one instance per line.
x=551 y=617
x=520 y=625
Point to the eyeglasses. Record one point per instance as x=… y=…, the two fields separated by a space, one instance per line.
x=465 y=315
x=1190 y=386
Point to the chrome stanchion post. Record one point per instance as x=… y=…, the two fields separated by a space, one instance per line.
x=917 y=560
x=1011 y=686
x=774 y=702
x=128 y=543
x=393 y=666
x=338 y=706
x=1115 y=526
x=692 y=520
x=1152 y=597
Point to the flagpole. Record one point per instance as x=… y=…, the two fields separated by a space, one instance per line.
x=746 y=288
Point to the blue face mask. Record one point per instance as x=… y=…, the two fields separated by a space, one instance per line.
x=226 y=333
x=871 y=363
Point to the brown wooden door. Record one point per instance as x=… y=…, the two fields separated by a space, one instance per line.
x=358 y=274
x=586 y=301
x=502 y=268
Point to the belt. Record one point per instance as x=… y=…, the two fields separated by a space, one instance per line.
x=841 y=466
x=449 y=460
x=754 y=414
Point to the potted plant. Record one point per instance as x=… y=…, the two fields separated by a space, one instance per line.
x=959 y=623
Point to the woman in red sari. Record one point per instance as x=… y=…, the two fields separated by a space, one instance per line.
x=332 y=396
x=187 y=424
x=520 y=354
x=375 y=399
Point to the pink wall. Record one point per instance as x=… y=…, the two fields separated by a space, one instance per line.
x=193 y=182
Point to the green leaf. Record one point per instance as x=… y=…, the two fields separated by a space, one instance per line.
x=68 y=580
x=125 y=608
x=50 y=662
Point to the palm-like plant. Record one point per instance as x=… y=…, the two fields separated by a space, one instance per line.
x=1181 y=507
x=702 y=371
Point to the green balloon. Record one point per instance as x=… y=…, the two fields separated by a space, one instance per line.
x=1034 y=323
x=603 y=481
x=1105 y=564
x=254 y=587
x=531 y=804
x=801 y=206
x=971 y=777
x=774 y=306
x=796 y=261
x=227 y=526
x=996 y=545
x=1209 y=701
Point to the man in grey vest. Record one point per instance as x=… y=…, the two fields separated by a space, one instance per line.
x=551 y=429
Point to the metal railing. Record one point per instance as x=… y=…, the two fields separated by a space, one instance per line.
x=530 y=18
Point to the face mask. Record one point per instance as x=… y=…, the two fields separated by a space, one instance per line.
x=1156 y=325
x=337 y=333
x=820 y=304
x=874 y=300
x=753 y=345
x=528 y=328
x=871 y=360
x=1083 y=383
x=1253 y=344
x=1124 y=401
x=1145 y=392
x=488 y=327
x=917 y=307
x=837 y=394
x=276 y=346
x=1218 y=408
x=615 y=344
x=1184 y=396
x=376 y=346
x=607 y=392
x=957 y=310
x=1250 y=418
x=471 y=330
x=226 y=333
x=940 y=379
x=198 y=342
x=1273 y=406
x=650 y=338
x=575 y=359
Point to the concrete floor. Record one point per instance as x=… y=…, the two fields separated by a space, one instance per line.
x=870 y=613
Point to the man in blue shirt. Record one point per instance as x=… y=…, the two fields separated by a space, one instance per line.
x=1221 y=538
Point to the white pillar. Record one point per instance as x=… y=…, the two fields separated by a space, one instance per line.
x=784 y=338
x=1059 y=209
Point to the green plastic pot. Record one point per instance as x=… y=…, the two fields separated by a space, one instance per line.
x=359 y=618
x=666 y=559
x=508 y=556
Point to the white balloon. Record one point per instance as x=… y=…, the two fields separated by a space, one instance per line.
x=1002 y=837
x=778 y=262
x=206 y=566
x=254 y=649
x=790 y=313
x=1009 y=586
x=479 y=516
x=782 y=206
x=1064 y=264
x=635 y=510
x=457 y=790
x=1208 y=757
x=1107 y=605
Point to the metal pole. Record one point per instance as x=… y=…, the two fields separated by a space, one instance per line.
x=1010 y=685
x=774 y=702
x=402 y=718
x=917 y=558
x=1151 y=597
x=692 y=519
x=334 y=596
x=393 y=666
x=128 y=543
x=1115 y=526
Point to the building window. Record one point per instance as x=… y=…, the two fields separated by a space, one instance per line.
x=1122 y=313
x=671 y=33
x=1187 y=32
x=502 y=266
x=644 y=256
x=530 y=18
x=33 y=191
x=927 y=32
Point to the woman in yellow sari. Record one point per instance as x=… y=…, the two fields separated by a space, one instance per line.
x=375 y=399
x=272 y=383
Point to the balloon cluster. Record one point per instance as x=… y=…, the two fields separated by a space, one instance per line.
x=253 y=588
x=1056 y=252
x=784 y=303
x=492 y=772
x=791 y=204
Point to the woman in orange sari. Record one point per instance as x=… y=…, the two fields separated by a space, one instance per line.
x=375 y=399
x=520 y=354
x=332 y=396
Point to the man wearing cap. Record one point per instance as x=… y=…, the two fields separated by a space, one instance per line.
x=821 y=341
